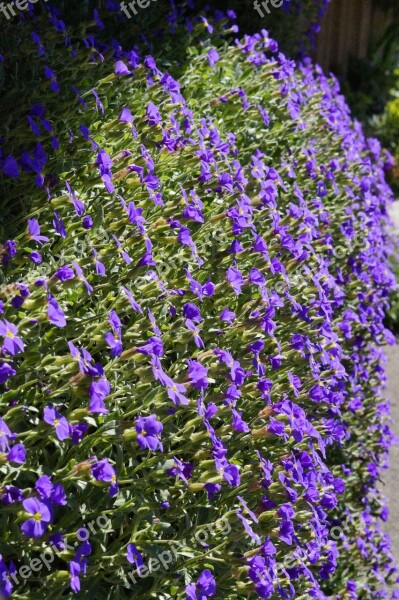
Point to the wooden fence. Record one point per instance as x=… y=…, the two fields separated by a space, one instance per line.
x=347 y=30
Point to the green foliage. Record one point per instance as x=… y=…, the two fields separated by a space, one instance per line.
x=267 y=153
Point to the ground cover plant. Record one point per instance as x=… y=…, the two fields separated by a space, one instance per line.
x=191 y=322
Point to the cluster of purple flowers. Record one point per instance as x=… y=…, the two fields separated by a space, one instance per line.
x=13 y=453
x=225 y=337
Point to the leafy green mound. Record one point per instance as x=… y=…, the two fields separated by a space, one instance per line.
x=193 y=390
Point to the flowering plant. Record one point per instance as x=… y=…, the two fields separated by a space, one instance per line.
x=191 y=320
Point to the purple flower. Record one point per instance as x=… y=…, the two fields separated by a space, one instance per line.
x=53 y=417
x=35 y=257
x=100 y=267
x=81 y=276
x=153 y=114
x=134 y=58
x=35 y=526
x=126 y=116
x=197 y=374
x=150 y=63
x=295 y=382
x=6 y=371
x=104 y=161
x=207 y=25
x=5 y=435
x=183 y=470
x=98 y=101
x=151 y=181
x=17 y=302
x=176 y=392
x=264 y=114
x=121 y=68
x=248 y=528
x=11 y=495
x=231 y=474
x=78 y=565
x=78 y=205
x=135 y=217
x=203 y=589
x=64 y=273
x=98 y=391
x=10 y=251
x=55 y=313
x=85 y=131
x=236 y=247
x=317 y=393
x=74 y=572
x=59 y=225
x=53 y=77
x=198 y=289
x=49 y=491
x=213 y=57
x=153 y=347
x=85 y=359
x=210 y=411
x=132 y=300
x=78 y=432
x=259 y=574
x=237 y=373
x=34 y=231
x=44 y=486
x=212 y=489
x=115 y=321
x=238 y=422
x=12 y=344
x=124 y=254
x=97 y=19
x=23 y=289
x=193 y=211
x=227 y=315
x=276 y=427
x=134 y=556
x=256 y=277
x=5 y=575
x=149 y=432
x=191 y=311
x=87 y=222
x=10 y=167
x=185 y=238
x=104 y=471
x=197 y=338
x=17 y=454
x=114 y=342
x=287 y=531
x=235 y=279
x=247 y=510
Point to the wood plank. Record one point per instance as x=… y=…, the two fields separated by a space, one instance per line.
x=346 y=30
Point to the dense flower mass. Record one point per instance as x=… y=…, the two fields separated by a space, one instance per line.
x=191 y=325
